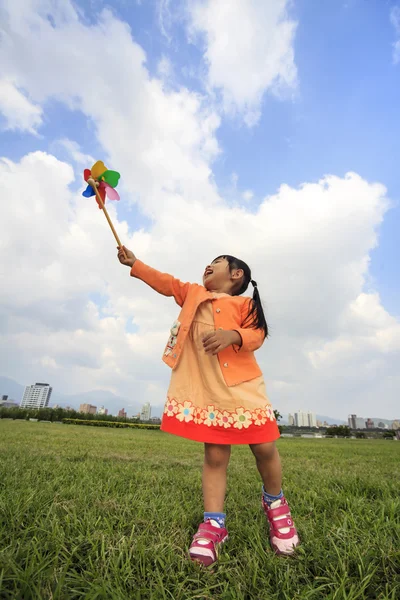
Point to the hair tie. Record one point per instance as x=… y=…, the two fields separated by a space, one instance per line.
x=254 y=283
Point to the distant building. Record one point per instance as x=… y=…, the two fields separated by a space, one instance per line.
x=156 y=420
x=369 y=424
x=381 y=425
x=312 y=419
x=305 y=419
x=290 y=419
x=88 y=409
x=352 y=421
x=102 y=411
x=4 y=398
x=319 y=423
x=145 y=413
x=396 y=424
x=36 y=396
x=325 y=424
x=360 y=423
x=122 y=413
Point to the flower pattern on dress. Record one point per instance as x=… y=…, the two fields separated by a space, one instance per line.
x=171 y=407
x=242 y=418
x=225 y=419
x=211 y=417
x=199 y=415
x=259 y=417
x=270 y=413
x=185 y=411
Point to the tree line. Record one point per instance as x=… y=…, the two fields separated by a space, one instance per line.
x=57 y=414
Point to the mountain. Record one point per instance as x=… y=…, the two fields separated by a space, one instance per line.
x=11 y=388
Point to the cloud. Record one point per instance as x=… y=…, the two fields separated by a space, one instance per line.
x=395 y=20
x=71 y=314
x=247 y=195
x=18 y=111
x=73 y=149
x=248 y=50
x=308 y=248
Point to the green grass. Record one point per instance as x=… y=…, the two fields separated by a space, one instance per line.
x=108 y=514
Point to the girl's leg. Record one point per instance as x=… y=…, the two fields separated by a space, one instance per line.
x=212 y=533
x=283 y=534
x=269 y=466
x=216 y=460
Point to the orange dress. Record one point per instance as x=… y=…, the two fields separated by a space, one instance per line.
x=201 y=407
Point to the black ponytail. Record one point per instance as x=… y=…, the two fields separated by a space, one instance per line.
x=255 y=317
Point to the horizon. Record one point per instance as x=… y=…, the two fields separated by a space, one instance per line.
x=284 y=416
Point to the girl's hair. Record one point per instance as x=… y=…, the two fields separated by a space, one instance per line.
x=255 y=315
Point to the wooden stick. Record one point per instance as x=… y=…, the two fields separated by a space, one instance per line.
x=92 y=182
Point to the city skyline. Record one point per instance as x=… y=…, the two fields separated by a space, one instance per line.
x=6 y=383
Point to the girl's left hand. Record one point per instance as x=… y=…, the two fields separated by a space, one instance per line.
x=216 y=341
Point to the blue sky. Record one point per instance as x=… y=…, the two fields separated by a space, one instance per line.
x=337 y=114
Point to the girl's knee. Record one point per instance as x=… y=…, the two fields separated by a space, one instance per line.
x=265 y=451
x=217 y=455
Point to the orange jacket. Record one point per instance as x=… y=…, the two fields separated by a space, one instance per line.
x=237 y=364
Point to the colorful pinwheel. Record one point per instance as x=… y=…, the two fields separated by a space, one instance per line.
x=101 y=183
x=106 y=182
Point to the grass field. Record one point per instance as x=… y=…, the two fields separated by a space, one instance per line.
x=108 y=514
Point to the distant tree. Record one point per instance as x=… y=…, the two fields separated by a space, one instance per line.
x=339 y=430
x=360 y=435
x=389 y=434
x=278 y=415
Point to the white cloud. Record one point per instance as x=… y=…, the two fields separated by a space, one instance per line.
x=17 y=110
x=395 y=20
x=66 y=312
x=247 y=195
x=248 y=50
x=79 y=157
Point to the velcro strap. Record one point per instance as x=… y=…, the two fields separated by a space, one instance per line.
x=278 y=511
x=282 y=523
x=206 y=534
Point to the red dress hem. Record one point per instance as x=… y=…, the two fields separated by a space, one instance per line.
x=254 y=434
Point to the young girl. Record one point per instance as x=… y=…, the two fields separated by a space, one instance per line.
x=217 y=393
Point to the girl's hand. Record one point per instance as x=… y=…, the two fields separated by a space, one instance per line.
x=216 y=341
x=126 y=257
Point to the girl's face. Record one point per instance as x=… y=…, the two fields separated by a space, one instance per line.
x=218 y=277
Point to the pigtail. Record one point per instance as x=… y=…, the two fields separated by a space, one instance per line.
x=256 y=317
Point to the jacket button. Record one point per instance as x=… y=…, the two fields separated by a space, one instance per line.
x=225 y=365
x=218 y=310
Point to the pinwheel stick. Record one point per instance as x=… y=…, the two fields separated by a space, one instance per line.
x=92 y=182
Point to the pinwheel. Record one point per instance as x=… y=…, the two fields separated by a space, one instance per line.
x=106 y=182
x=102 y=183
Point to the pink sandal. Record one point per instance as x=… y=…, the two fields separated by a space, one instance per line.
x=282 y=532
x=206 y=543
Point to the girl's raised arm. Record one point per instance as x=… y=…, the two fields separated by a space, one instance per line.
x=163 y=283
